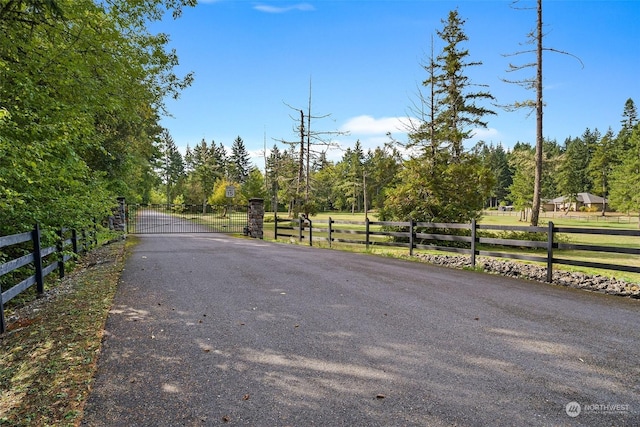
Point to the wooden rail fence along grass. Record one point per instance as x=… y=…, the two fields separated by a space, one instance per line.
x=473 y=239
x=42 y=261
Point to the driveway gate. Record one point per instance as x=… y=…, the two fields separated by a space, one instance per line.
x=166 y=218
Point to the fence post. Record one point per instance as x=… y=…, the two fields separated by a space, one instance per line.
x=37 y=259
x=275 y=227
x=95 y=233
x=411 y=237
x=366 y=232
x=550 y=253
x=74 y=241
x=3 y=327
x=60 y=249
x=310 y=231
x=330 y=237
x=473 y=243
x=300 y=225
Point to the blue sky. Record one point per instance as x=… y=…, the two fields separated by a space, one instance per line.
x=254 y=59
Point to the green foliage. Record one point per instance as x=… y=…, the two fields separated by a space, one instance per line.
x=445 y=192
x=624 y=194
x=219 y=196
x=207 y=164
x=253 y=186
x=82 y=85
x=239 y=162
x=459 y=113
x=445 y=185
x=602 y=163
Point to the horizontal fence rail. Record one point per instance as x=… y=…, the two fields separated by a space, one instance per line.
x=171 y=218
x=41 y=261
x=471 y=239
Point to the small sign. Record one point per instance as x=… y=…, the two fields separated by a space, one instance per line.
x=230 y=191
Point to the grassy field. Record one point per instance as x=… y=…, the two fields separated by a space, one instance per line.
x=582 y=220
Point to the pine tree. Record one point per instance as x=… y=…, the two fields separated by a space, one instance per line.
x=239 y=162
x=444 y=182
x=629 y=122
x=171 y=167
x=460 y=113
x=624 y=192
x=205 y=162
x=601 y=165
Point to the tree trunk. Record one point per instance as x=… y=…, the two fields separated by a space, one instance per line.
x=538 y=169
x=300 y=162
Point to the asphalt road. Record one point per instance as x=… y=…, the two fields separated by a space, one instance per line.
x=212 y=330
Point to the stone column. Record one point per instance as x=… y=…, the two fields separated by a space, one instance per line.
x=256 y=218
x=118 y=220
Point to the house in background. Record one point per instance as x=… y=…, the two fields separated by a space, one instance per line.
x=587 y=200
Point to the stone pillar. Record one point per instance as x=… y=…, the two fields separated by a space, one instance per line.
x=256 y=218
x=118 y=221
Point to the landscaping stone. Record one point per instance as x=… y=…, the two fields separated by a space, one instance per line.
x=595 y=283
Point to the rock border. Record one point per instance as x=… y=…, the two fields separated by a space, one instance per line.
x=594 y=283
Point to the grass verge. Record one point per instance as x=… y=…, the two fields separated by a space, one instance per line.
x=48 y=355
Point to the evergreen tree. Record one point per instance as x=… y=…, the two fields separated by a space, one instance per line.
x=171 y=167
x=602 y=164
x=629 y=122
x=624 y=192
x=495 y=158
x=239 y=162
x=206 y=166
x=522 y=162
x=573 y=177
x=461 y=113
x=272 y=171
x=455 y=193
x=324 y=180
x=351 y=184
x=381 y=169
x=449 y=184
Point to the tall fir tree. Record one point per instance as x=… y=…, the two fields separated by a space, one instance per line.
x=239 y=162
x=462 y=111
x=450 y=184
x=601 y=165
x=171 y=165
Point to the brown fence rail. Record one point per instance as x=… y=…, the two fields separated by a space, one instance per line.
x=41 y=261
x=460 y=238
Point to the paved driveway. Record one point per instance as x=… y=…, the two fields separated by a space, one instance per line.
x=210 y=330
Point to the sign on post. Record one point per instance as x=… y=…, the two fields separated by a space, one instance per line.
x=230 y=192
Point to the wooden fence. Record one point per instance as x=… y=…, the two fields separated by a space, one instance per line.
x=41 y=261
x=468 y=239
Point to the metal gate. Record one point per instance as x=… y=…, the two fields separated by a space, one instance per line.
x=166 y=218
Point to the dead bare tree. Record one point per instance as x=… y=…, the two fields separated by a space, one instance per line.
x=535 y=83
x=311 y=145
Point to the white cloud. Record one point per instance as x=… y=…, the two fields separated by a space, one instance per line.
x=486 y=135
x=368 y=125
x=304 y=7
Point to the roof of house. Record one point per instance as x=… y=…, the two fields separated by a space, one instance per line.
x=586 y=198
